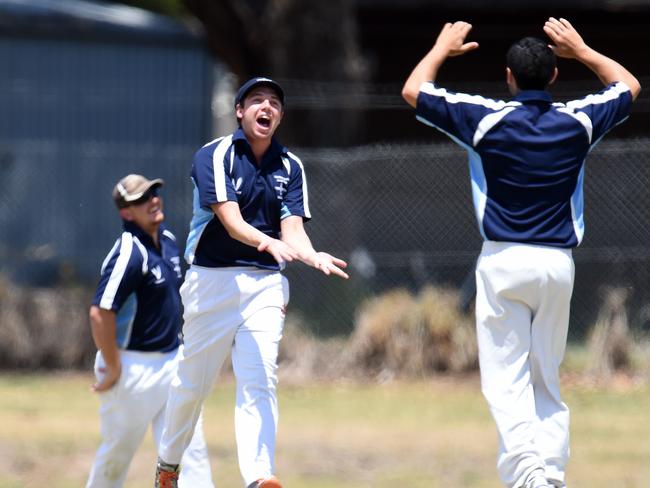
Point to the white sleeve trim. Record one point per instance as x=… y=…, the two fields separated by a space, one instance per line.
x=488 y=122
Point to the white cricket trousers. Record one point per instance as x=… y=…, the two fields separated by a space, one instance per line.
x=126 y=411
x=522 y=316
x=237 y=310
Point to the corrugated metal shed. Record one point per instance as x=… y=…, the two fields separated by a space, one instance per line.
x=91 y=20
x=90 y=92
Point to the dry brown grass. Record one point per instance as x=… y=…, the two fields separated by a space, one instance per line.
x=403 y=335
x=435 y=433
x=397 y=335
x=44 y=327
x=610 y=342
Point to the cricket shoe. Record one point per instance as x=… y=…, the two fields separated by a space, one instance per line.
x=166 y=475
x=270 y=482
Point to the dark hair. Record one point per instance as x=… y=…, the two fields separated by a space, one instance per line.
x=532 y=63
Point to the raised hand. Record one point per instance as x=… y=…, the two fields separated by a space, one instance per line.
x=452 y=39
x=568 y=43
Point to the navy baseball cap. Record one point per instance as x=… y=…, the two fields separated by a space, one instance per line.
x=257 y=81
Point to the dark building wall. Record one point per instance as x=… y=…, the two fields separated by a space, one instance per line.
x=395 y=35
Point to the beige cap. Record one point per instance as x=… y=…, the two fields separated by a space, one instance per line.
x=132 y=187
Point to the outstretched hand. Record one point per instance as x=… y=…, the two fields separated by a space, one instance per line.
x=329 y=264
x=568 y=43
x=452 y=39
x=281 y=251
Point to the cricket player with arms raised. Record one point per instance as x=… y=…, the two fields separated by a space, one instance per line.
x=527 y=162
x=250 y=202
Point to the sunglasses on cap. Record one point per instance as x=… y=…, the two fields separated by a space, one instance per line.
x=146 y=196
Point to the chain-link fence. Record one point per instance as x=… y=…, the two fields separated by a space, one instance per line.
x=402 y=215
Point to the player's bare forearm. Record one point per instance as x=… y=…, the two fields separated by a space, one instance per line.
x=609 y=71
x=569 y=44
x=294 y=234
x=450 y=42
x=104 y=332
x=426 y=70
x=230 y=216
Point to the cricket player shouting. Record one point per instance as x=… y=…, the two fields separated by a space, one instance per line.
x=526 y=161
x=250 y=201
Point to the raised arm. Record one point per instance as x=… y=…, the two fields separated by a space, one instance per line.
x=569 y=44
x=450 y=42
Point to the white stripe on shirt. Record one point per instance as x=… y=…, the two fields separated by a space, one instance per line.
x=488 y=122
x=219 y=169
x=581 y=117
x=212 y=142
x=145 y=256
x=305 y=193
x=118 y=272
x=430 y=89
x=613 y=92
x=109 y=256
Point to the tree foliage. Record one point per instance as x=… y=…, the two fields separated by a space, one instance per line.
x=307 y=40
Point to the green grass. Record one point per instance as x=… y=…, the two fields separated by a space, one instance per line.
x=429 y=434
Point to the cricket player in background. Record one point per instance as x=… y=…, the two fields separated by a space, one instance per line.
x=250 y=202
x=136 y=324
x=527 y=162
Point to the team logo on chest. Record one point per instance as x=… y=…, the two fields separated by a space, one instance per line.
x=237 y=184
x=280 y=186
x=176 y=261
x=157 y=273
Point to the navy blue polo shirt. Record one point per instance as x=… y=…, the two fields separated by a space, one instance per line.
x=226 y=170
x=526 y=156
x=140 y=283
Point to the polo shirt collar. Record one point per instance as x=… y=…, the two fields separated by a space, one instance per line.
x=274 y=150
x=139 y=233
x=533 y=96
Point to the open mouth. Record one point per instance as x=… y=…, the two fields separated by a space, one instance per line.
x=264 y=121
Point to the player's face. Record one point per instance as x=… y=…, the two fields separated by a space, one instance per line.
x=147 y=212
x=260 y=113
